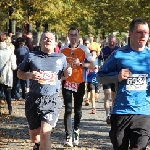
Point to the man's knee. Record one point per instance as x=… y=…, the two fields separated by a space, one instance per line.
x=35 y=135
x=45 y=132
x=107 y=93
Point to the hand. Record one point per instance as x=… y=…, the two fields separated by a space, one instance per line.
x=68 y=72
x=76 y=61
x=35 y=75
x=124 y=74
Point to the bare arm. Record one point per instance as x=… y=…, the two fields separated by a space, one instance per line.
x=88 y=65
x=28 y=75
x=24 y=75
x=77 y=62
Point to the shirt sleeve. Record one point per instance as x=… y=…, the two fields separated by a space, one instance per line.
x=108 y=73
x=64 y=64
x=88 y=55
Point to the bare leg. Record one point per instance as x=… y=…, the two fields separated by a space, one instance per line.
x=113 y=94
x=45 y=142
x=107 y=96
x=96 y=95
x=35 y=135
x=93 y=98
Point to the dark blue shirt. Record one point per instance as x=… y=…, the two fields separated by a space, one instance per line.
x=107 y=51
x=20 y=53
x=50 y=67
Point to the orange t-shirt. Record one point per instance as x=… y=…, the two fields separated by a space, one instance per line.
x=77 y=71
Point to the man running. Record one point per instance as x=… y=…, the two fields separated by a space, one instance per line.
x=45 y=69
x=109 y=89
x=76 y=54
x=129 y=69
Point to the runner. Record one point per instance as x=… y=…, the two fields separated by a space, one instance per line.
x=128 y=68
x=92 y=85
x=109 y=89
x=86 y=42
x=74 y=84
x=43 y=103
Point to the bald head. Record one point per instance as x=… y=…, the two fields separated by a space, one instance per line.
x=47 y=42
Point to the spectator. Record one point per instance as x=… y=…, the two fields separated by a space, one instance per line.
x=7 y=65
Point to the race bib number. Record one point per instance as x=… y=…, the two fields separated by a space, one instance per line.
x=137 y=82
x=95 y=69
x=71 y=86
x=47 y=77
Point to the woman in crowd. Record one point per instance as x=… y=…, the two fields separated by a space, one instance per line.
x=7 y=65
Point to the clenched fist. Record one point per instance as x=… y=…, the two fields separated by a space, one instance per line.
x=68 y=72
x=124 y=74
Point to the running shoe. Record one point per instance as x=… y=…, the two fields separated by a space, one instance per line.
x=36 y=146
x=68 y=142
x=76 y=137
x=93 y=111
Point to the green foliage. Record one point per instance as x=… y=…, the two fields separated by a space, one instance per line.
x=89 y=16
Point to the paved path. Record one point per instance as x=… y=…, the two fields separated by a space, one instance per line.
x=93 y=130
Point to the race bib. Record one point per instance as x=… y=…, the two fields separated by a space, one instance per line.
x=71 y=86
x=95 y=69
x=47 y=77
x=137 y=82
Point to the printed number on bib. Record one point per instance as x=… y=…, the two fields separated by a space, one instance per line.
x=137 y=82
x=48 y=77
x=71 y=86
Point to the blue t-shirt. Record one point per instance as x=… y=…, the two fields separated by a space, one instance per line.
x=91 y=73
x=50 y=67
x=133 y=94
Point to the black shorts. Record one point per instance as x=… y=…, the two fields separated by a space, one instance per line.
x=42 y=108
x=109 y=86
x=93 y=86
x=133 y=128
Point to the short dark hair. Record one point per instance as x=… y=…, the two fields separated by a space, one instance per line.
x=73 y=28
x=85 y=39
x=136 y=21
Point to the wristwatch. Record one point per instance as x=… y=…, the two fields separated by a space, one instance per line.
x=81 y=64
